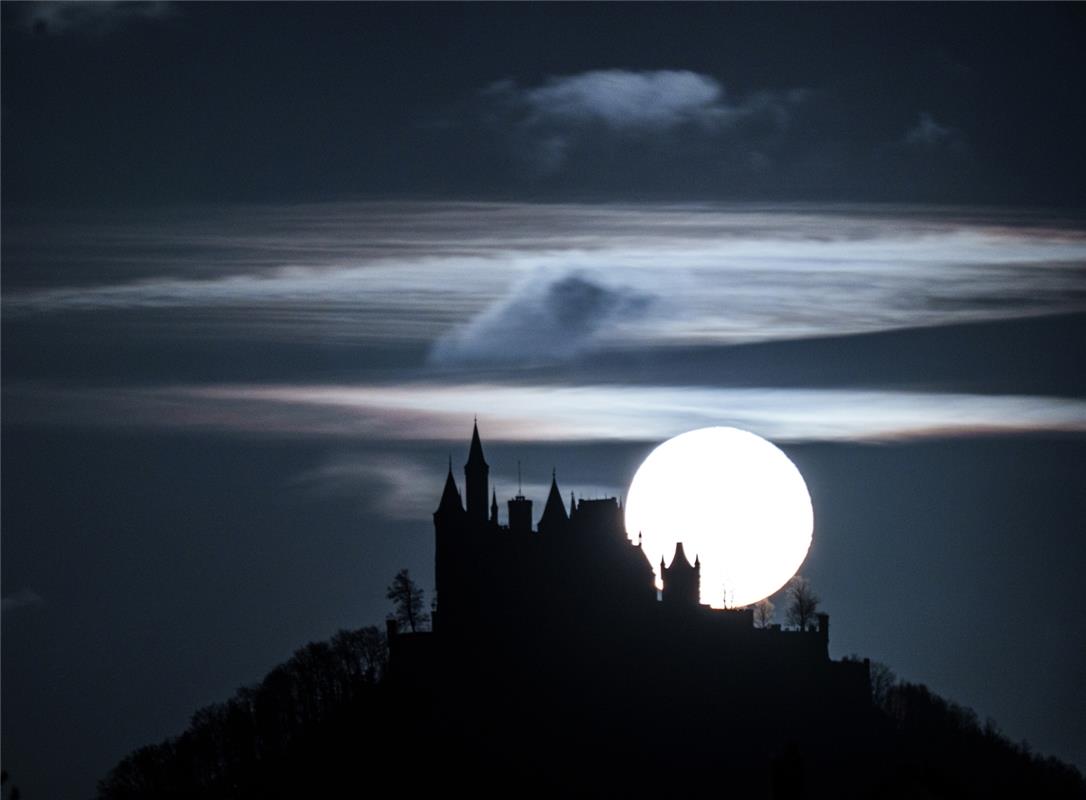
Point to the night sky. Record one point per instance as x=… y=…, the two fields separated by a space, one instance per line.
x=263 y=264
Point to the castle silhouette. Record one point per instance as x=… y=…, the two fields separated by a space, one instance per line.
x=554 y=669
x=552 y=645
x=578 y=560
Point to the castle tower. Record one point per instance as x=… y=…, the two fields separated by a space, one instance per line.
x=476 y=479
x=494 y=508
x=520 y=514
x=682 y=580
x=451 y=506
x=448 y=524
x=554 y=517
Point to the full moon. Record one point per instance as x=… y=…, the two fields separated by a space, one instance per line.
x=734 y=500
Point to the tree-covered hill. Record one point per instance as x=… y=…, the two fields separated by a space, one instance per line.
x=330 y=723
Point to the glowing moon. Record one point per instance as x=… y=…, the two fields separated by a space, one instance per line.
x=734 y=500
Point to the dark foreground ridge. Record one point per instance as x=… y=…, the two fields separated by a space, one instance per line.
x=553 y=667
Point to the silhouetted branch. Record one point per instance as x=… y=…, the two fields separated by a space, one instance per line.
x=409 y=608
x=802 y=603
x=233 y=745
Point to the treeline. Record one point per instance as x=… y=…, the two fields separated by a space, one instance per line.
x=317 y=725
x=942 y=750
x=269 y=738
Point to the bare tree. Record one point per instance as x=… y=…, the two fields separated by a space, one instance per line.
x=802 y=603
x=883 y=680
x=407 y=599
x=763 y=613
x=728 y=597
x=362 y=655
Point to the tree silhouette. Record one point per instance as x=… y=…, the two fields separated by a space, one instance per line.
x=883 y=680
x=802 y=603
x=763 y=613
x=280 y=729
x=407 y=598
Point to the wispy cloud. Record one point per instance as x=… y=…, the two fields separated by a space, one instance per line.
x=929 y=134
x=402 y=488
x=564 y=111
x=491 y=283
x=59 y=17
x=543 y=320
x=23 y=598
x=431 y=411
x=626 y=100
x=386 y=482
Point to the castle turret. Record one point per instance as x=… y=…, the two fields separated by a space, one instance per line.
x=493 y=508
x=476 y=480
x=554 y=517
x=448 y=528
x=520 y=514
x=451 y=503
x=682 y=580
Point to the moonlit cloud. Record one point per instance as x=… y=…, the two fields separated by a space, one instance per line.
x=491 y=283
x=565 y=111
x=431 y=411
x=543 y=320
x=493 y=298
x=630 y=100
x=387 y=483
x=399 y=487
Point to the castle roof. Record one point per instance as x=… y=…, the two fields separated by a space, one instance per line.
x=475 y=454
x=680 y=560
x=554 y=512
x=450 y=497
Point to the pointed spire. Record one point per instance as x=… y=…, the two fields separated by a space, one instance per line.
x=572 y=504
x=554 y=512
x=640 y=540
x=476 y=479
x=494 y=507
x=682 y=582
x=475 y=453
x=680 y=554
x=697 y=561
x=450 y=497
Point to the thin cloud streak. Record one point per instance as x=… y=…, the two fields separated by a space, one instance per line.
x=397 y=481
x=99 y=18
x=24 y=598
x=396 y=487
x=427 y=411
x=459 y=277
